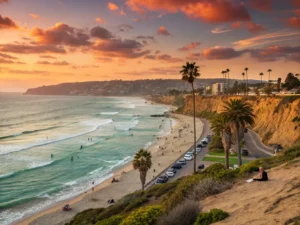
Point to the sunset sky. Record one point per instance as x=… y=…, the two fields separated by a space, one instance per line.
x=44 y=42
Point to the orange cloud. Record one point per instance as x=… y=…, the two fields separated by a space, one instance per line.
x=219 y=30
x=99 y=20
x=7 y=23
x=254 y=28
x=296 y=3
x=31 y=49
x=220 y=53
x=294 y=21
x=190 y=46
x=112 y=6
x=163 y=31
x=236 y=25
x=2 y=1
x=34 y=16
x=212 y=11
x=164 y=57
x=262 y=5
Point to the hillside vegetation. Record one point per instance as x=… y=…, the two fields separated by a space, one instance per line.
x=277 y=121
x=165 y=202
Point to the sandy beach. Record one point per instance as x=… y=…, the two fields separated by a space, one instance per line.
x=164 y=152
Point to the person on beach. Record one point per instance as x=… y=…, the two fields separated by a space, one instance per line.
x=51 y=156
x=263 y=175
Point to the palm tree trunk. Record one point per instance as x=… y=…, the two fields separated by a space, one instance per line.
x=246 y=83
x=238 y=145
x=143 y=179
x=226 y=158
x=228 y=83
x=194 y=105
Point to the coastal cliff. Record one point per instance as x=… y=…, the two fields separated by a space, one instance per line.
x=277 y=118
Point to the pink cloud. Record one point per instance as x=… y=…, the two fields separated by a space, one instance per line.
x=99 y=20
x=190 y=46
x=7 y=23
x=254 y=28
x=34 y=16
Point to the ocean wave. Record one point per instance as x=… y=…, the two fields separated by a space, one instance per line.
x=126 y=125
x=34 y=165
x=147 y=145
x=7 y=175
x=7 y=149
x=28 y=132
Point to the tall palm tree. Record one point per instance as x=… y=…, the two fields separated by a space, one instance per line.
x=261 y=75
x=142 y=162
x=246 y=69
x=278 y=84
x=240 y=114
x=220 y=125
x=189 y=74
x=228 y=70
x=224 y=77
x=243 y=74
x=269 y=71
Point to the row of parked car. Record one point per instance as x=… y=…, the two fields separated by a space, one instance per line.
x=187 y=157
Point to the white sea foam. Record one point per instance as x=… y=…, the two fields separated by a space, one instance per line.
x=6 y=175
x=109 y=113
x=147 y=145
x=92 y=125
x=34 y=165
x=126 y=125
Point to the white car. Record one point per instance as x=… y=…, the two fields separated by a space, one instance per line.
x=170 y=174
x=198 y=150
x=188 y=157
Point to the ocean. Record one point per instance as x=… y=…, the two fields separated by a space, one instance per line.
x=88 y=137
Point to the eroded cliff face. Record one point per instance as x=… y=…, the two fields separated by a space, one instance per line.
x=275 y=115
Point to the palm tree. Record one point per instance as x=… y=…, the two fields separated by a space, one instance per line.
x=297 y=74
x=278 y=84
x=261 y=75
x=142 y=162
x=220 y=125
x=189 y=73
x=269 y=71
x=240 y=114
x=243 y=74
x=228 y=70
x=224 y=77
x=246 y=69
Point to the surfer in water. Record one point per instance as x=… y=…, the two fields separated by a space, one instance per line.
x=51 y=156
x=81 y=147
x=72 y=159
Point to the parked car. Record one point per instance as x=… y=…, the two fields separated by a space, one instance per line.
x=198 y=150
x=208 y=137
x=182 y=161
x=188 y=157
x=204 y=143
x=162 y=179
x=201 y=166
x=245 y=152
x=170 y=173
x=200 y=145
x=176 y=166
x=171 y=170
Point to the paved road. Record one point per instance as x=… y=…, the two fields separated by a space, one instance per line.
x=253 y=143
x=255 y=146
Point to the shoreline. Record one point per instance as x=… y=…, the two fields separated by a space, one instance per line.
x=89 y=199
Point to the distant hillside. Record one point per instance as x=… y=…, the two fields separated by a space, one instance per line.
x=120 y=88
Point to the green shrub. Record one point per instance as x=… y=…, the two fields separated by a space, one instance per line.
x=216 y=144
x=215 y=169
x=178 y=195
x=135 y=204
x=114 y=220
x=228 y=175
x=159 y=190
x=183 y=214
x=86 y=217
x=214 y=215
x=143 y=216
